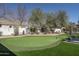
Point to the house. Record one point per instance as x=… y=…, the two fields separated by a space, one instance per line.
x=9 y=27
x=57 y=30
x=77 y=28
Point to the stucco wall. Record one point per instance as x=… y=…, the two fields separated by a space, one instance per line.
x=6 y=30
x=57 y=30
x=21 y=30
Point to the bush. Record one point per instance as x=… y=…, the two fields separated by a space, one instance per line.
x=0 y=33
x=32 y=30
x=16 y=32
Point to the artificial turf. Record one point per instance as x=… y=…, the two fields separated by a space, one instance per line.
x=63 y=49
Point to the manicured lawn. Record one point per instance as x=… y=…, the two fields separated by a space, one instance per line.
x=30 y=41
x=64 y=49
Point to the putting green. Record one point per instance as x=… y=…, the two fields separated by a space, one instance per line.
x=29 y=42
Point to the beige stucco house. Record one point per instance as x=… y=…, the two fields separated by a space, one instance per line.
x=8 y=27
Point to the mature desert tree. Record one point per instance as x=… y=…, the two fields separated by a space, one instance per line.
x=51 y=20
x=62 y=18
x=57 y=19
x=37 y=18
x=21 y=13
x=21 y=16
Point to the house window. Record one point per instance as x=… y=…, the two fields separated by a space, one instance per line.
x=10 y=26
x=0 y=25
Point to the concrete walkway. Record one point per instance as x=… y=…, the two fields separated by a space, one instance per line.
x=30 y=35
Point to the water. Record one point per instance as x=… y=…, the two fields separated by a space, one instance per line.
x=72 y=39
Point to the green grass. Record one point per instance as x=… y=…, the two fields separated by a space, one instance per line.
x=63 y=49
x=29 y=41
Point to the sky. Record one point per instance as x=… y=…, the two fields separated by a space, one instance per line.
x=71 y=9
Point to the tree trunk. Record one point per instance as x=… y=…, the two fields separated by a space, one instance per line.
x=16 y=31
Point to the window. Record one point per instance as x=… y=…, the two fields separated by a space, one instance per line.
x=10 y=26
x=0 y=25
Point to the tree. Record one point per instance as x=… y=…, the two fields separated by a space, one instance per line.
x=21 y=11
x=36 y=19
x=57 y=20
x=51 y=20
x=62 y=18
x=21 y=17
x=72 y=28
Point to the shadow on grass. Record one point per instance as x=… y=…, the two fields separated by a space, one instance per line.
x=4 y=51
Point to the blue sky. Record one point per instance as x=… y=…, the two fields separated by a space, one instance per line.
x=71 y=9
